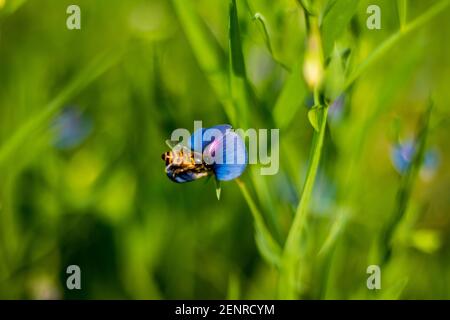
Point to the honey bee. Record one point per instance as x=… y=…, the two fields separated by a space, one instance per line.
x=184 y=164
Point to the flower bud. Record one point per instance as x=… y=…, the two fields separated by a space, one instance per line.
x=313 y=63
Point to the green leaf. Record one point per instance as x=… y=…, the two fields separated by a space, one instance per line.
x=336 y=17
x=313 y=117
x=262 y=23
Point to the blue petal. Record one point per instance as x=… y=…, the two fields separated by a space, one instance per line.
x=229 y=172
x=197 y=142
x=234 y=157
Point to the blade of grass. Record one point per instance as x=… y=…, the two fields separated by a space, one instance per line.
x=236 y=55
x=326 y=253
x=265 y=199
x=334 y=233
x=95 y=69
x=259 y=18
x=269 y=248
x=206 y=51
x=239 y=85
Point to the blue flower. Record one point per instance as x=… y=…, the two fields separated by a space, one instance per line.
x=336 y=109
x=402 y=156
x=71 y=128
x=225 y=147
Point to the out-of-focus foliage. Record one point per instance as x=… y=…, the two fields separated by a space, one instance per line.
x=84 y=115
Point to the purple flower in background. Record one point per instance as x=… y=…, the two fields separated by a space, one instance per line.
x=402 y=156
x=71 y=128
x=336 y=109
x=430 y=164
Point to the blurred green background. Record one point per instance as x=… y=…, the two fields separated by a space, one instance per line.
x=84 y=115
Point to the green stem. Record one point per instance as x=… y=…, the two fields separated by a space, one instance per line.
x=402 y=7
x=292 y=253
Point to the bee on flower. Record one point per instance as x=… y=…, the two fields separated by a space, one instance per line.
x=217 y=151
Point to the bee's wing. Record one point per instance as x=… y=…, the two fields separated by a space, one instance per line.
x=177 y=146
x=171 y=143
x=188 y=153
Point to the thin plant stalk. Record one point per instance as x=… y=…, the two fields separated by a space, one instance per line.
x=290 y=257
